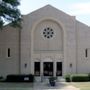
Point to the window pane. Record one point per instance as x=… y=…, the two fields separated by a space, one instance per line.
x=9 y=53
x=86 y=53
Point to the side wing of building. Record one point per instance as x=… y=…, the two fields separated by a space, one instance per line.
x=9 y=51
x=83 y=47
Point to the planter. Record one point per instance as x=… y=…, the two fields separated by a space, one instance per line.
x=52 y=81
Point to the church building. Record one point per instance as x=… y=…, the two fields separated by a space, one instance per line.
x=50 y=43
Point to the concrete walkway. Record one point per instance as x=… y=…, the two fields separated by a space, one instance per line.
x=59 y=86
x=36 y=86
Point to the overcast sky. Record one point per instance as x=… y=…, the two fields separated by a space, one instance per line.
x=78 y=8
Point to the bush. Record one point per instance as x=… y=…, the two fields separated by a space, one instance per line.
x=20 y=78
x=67 y=77
x=52 y=79
x=80 y=78
x=1 y=77
x=89 y=76
x=77 y=77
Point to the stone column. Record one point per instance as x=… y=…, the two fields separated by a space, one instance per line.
x=32 y=67
x=41 y=68
x=54 y=69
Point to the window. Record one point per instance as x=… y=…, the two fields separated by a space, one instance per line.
x=48 y=32
x=86 y=53
x=0 y=52
x=9 y=52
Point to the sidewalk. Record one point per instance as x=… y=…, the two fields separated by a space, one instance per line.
x=59 y=86
x=36 y=86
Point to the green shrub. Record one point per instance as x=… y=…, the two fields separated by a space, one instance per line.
x=1 y=77
x=89 y=76
x=80 y=78
x=20 y=78
x=77 y=77
x=67 y=78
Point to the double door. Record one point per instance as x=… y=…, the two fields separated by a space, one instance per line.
x=48 y=68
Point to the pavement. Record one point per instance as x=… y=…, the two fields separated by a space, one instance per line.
x=37 y=86
x=58 y=86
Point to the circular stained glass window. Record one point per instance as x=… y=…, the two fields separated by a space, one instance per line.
x=48 y=32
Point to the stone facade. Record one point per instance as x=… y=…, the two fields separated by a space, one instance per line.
x=49 y=37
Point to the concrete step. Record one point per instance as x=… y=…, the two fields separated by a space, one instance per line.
x=46 y=79
x=61 y=79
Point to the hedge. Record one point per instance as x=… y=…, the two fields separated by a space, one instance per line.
x=80 y=78
x=67 y=78
x=20 y=78
x=89 y=76
x=77 y=77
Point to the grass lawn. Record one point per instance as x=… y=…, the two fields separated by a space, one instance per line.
x=16 y=86
x=81 y=85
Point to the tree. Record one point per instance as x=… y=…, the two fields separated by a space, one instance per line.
x=9 y=12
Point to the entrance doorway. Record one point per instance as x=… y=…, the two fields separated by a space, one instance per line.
x=59 y=69
x=37 y=68
x=48 y=68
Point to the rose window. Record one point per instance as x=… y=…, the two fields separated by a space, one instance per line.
x=48 y=32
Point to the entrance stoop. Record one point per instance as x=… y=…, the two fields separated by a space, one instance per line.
x=61 y=79
x=46 y=79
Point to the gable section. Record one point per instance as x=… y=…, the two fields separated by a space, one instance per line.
x=49 y=11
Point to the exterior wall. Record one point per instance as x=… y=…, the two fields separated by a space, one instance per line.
x=48 y=44
x=47 y=49
x=9 y=38
x=28 y=45
x=67 y=24
x=83 y=43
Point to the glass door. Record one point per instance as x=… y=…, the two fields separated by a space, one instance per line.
x=59 y=69
x=48 y=68
x=37 y=68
